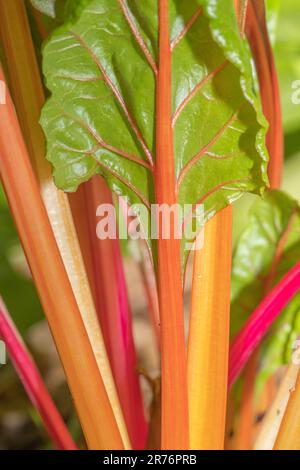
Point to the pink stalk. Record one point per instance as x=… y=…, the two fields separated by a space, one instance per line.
x=260 y=321
x=33 y=383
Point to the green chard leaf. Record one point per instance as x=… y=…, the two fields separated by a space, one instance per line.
x=101 y=69
x=265 y=251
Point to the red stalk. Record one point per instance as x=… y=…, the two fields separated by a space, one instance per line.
x=107 y=277
x=257 y=33
x=175 y=420
x=260 y=321
x=247 y=412
x=33 y=383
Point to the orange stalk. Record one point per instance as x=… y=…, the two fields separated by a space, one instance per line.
x=174 y=378
x=29 y=98
x=85 y=381
x=247 y=416
x=209 y=335
x=24 y=79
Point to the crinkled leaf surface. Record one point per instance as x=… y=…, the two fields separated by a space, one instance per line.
x=266 y=250
x=101 y=69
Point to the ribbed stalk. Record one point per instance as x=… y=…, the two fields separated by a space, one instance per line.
x=174 y=378
x=246 y=412
x=209 y=335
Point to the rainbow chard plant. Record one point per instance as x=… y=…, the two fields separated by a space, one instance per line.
x=162 y=113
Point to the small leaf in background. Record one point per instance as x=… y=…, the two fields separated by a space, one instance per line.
x=291 y=175
x=101 y=70
x=272 y=9
x=267 y=248
x=288 y=63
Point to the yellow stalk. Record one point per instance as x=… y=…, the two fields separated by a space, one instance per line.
x=28 y=97
x=209 y=335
